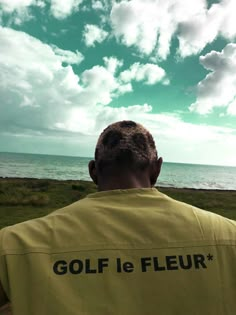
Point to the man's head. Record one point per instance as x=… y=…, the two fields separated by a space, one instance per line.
x=125 y=157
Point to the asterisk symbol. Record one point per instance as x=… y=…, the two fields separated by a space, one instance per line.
x=210 y=257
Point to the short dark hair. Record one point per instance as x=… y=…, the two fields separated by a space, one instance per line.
x=124 y=145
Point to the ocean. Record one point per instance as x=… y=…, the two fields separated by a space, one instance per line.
x=65 y=167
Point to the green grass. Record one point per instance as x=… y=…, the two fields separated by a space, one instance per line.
x=24 y=199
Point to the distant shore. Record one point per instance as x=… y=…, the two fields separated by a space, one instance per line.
x=67 y=167
x=26 y=198
x=167 y=188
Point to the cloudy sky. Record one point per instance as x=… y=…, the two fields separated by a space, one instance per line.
x=70 y=68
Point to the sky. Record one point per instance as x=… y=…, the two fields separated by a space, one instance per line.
x=70 y=68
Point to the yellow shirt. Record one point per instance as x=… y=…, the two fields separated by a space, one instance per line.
x=125 y=252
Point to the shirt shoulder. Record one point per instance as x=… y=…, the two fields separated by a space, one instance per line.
x=212 y=225
x=221 y=228
x=37 y=233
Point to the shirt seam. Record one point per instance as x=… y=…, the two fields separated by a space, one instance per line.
x=51 y=252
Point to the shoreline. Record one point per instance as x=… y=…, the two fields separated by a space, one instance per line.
x=90 y=182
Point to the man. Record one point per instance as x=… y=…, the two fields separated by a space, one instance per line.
x=126 y=249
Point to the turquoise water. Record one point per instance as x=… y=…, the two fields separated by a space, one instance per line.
x=65 y=167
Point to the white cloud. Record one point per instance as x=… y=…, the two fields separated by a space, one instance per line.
x=59 y=9
x=20 y=17
x=102 y=5
x=68 y=56
x=151 y=25
x=40 y=3
x=100 y=85
x=35 y=89
x=17 y=10
x=62 y=9
x=147 y=25
x=10 y=6
x=92 y=34
x=148 y=73
x=112 y=64
x=97 y=5
x=232 y=107
x=37 y=92
x=219 y=20
x=131 y=23
x=218 y=88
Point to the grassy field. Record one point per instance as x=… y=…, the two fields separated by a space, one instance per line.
x=24 y=199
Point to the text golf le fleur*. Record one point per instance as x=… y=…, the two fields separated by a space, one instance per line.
x=144 y=264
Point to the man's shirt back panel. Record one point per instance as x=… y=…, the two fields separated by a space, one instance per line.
x=133 y=251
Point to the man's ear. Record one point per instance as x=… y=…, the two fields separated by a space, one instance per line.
x=155 y=170
x=93 y=171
